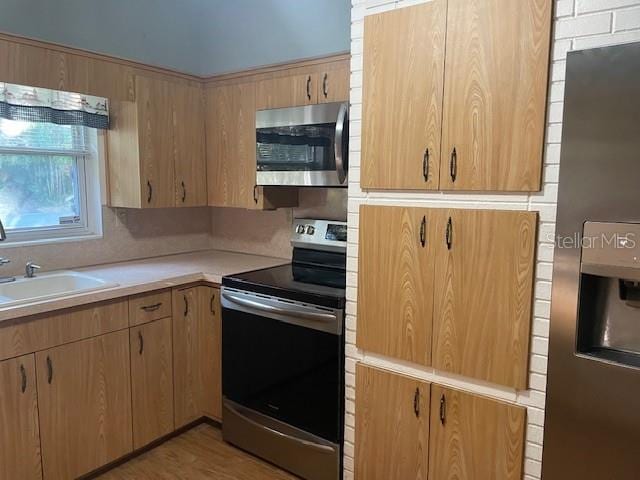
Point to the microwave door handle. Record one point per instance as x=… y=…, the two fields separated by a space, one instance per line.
x=341 y=124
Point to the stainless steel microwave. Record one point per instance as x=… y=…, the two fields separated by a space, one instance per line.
x=303 y=146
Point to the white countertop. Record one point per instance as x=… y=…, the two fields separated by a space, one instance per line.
x=141 y=276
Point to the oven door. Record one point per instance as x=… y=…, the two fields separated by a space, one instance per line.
x=303 y=146
x=284 y=360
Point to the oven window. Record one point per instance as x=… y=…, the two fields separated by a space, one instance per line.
x=298 y=148
x=288 y=372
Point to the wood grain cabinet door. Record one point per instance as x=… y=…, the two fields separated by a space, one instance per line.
x=495 y=94
x=19 y=432
x=84 y=398
x=289 y=91
x=472 y=437
x=333 y=84
x=396 y=281
x=483 y=286
x=156 y=143
x=151 y=381
x=392 y=426
x=403 y=77
x=189 y=146
x=210 y=351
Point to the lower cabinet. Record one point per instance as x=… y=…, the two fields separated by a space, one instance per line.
x=19 y=431
x=402 y=434
x=196 y=354
x=84 y=399
x=151 y=381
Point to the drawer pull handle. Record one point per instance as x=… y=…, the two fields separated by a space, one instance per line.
x=425 y=165
x=149 y=191
x=186 y=306
x=49 y=370
x=141 y=342
x=152 y=308
x=212 y=304
x=443 y=409
x=23 y=375
x=416 y=403
x=309 y=87
x=449 y=234
x=423 y=231
x=453 y=165
x=184 y=192
x=325 y=92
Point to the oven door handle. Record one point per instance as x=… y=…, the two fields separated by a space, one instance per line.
x=286 y=310
x=338 y=146
x=306 y=443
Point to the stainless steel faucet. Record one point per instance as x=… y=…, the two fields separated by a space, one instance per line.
x=4 y=261
x=30 y=269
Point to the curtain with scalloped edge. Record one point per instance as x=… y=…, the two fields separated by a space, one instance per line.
x=32 y=104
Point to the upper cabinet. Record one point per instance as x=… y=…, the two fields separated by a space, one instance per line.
x=156 y=147
x=333 y=84
x=289 y=91
x=486 y=131
x=402 y=97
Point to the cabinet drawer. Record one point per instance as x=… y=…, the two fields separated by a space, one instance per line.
x=149 y=306
x=52 y=329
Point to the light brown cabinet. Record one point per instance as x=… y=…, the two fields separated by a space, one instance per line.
x=483 y=292
x=84 y=401
x=448 y=288
x=403 y=75
x=392 y=426
x=288 y=91
x=333 y=84
x=486 y=131
x=396 y=281
x=151 y=381
x=231 y=151
x=156 y=147
x=196 y=354
x=474 y=437
x=19 y=432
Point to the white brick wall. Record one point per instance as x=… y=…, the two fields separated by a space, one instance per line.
x=578 y=24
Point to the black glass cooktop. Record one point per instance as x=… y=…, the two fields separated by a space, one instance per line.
x=310 y=282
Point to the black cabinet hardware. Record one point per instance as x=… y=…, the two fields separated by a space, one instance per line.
x=49 y=370
x=152 y=308
x=443 y=409
x=425 y=165
x=453 y=165
x=23 y=375
x=149 y=191
x=416 y=403
x=423 y=231
x=141 y=343
x=449 y=234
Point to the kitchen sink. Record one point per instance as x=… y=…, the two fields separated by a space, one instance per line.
x=48 y=286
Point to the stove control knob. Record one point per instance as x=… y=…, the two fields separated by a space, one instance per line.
x=310 y=229
x=300 y=229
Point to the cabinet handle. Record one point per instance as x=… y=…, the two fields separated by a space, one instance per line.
x=425 y=165
x=324 y=85
x=443 y=409
x=309 y=87
x=255 y=194
x=212 y=304
x=151 y=308
x=453 y=165
x=23 y=375
x=186 y=305
x=416 y=402
x=49 y=370
x=184 y=192
x=149 y=191
x=141 y=342
x=423 y=231
x=449 y=234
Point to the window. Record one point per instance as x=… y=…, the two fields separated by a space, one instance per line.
x=49 y=181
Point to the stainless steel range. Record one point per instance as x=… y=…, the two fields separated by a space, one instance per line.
x=283 y=355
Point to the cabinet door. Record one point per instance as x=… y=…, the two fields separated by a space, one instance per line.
x=483 y=294
x=20 y=434
x=156 y=144
x=292 y=91
x=210 y=349
x=231 y=145
x=84 y=398
x=472 y=437
x=395 y=281
x=402 y=97
x=189 y=146
x=495 y=94
x=151 y=381
x=392 y=426
x=333 y=84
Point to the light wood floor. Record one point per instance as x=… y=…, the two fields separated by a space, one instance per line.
x=197 y=454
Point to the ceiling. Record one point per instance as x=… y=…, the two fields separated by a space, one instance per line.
x=201 y=37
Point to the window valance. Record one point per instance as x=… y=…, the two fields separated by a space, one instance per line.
x=32 y=104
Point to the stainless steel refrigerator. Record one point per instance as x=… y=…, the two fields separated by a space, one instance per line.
x=592 y=424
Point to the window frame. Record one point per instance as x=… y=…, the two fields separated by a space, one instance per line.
x=89 y=183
